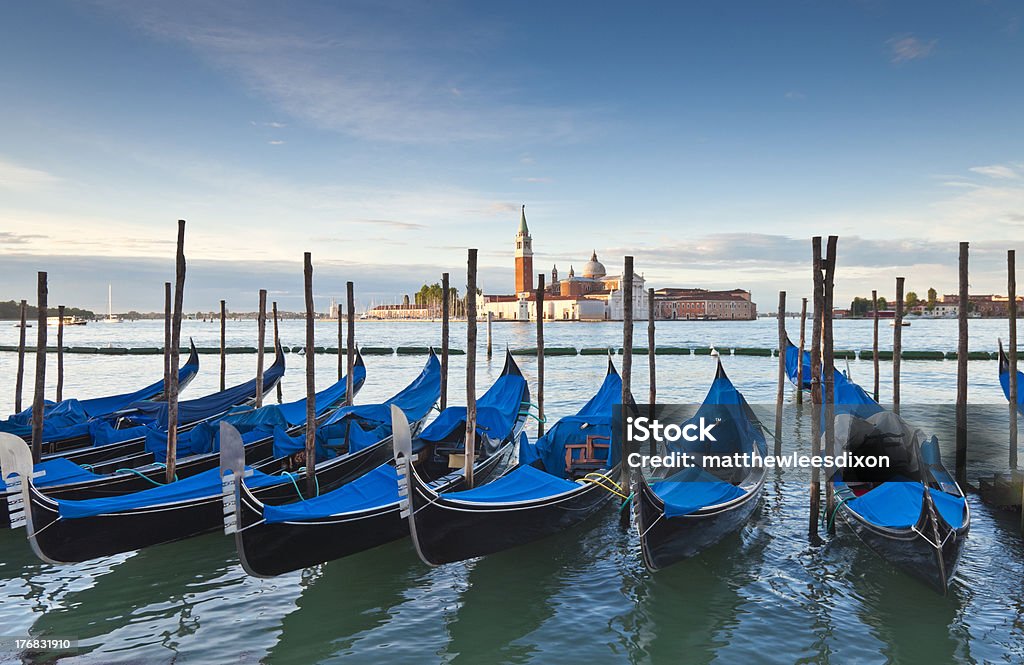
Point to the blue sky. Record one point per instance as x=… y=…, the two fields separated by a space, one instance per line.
x=710 y=140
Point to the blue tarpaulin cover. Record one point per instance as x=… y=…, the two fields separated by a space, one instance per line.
x=68 y=419
x=1004 y=381
x=58 y=472
x=194 y=410
x=496 y=412
x=691 y=489
x=363 y=425
x=376 y=488
x=205 y=484
x=594 y=419
x=521 y=484
x=897 y=505
x=253 y=424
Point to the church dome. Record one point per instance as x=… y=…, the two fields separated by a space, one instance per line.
x=594 y=268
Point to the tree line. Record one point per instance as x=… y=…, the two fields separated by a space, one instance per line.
x=11 y=311
x=863 y=306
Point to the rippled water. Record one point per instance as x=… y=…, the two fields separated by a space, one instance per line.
x=764 y=595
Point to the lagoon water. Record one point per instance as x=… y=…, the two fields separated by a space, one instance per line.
x=764 y=595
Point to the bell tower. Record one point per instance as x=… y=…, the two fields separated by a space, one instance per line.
x=524 y=257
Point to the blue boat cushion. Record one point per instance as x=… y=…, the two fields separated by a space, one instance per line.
x=897 y=505
x=377 y=488
x=691 y=489
x=521 y=484
x=205 y=484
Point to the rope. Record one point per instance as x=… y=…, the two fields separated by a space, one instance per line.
x=527 y=413
x=600 y=479
x=830 y=522
x=142 y=475
x=626 y=502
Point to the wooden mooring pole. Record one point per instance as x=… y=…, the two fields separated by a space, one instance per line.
x=626 y=292
x=168 y=305
x=261 y=341
x=307 y=273
x=445 y=315
x=780 y=391
x=540 y=353
x=828 y=362
x=350 y=342
x=60 y=353
x=39 y=396
x=1011 y=292
x=172 y=401
x=470 y=448
x=819 y=308
x=897 y=345
x=277 y=345
x=652 y=394
x=800 y=352
x=490 y=319
x=874 y=340
x=961 y=370
x=223 y=344
x=20 y=379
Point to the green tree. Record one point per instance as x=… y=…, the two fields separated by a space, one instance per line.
x=933 y=299
x=912 y=299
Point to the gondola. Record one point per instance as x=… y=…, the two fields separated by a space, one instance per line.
x=912 y=513
x=564 y=478
x=125 y=432
x=66 y=423
x=88 y=472
x=683 y=513
x=1004 y=378
x=65 y=531
x=792 y=368
x=365 y=513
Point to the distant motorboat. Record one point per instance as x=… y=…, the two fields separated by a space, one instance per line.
x=892 y=324
x=68 y=321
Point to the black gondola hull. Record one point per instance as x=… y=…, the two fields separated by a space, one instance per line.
x=447 y=530
x=81 y=539
x=914 y=550
x=267 y=550
x=668 y=540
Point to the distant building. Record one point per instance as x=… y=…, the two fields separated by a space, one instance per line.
x=591 y=296
x=403 y=311
x=987 y=305
x=702 y=304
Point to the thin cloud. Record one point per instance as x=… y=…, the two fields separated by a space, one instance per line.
x=12 y=238
x=904 y=48
x=22 y=178
x=997 y=171
x=276 y=142
x=795 y=95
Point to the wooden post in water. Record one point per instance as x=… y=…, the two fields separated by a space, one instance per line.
x=800 y=352
x=828 y=362
x=223 y=344
x=350 y=345
x=60 y=353
x=21 y=360
x=626 y=292
x=1011 y=292
x=172 y=402
x=261 y=342
x=445 y=315
x=819 y=308
x=780 y=391
x=470 y=448
x=874 y=342
x=168 y=304
x=277 y=345
x=341 y=337
x=897 y=345
x=540 y=354
x=961 y=370
x=39 y=396
x=652 y=395
x=490 y=318
x=307 y=272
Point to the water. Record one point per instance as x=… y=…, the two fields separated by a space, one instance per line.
x=764 y=595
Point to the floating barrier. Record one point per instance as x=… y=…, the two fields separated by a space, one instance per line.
x=596 y=351
x=413 y=350
x=751 y=351
x=672 y=351
x=377 y=351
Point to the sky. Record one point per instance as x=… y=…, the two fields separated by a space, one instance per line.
x=708 y=140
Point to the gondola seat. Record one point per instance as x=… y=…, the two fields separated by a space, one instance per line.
x=582 y=458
